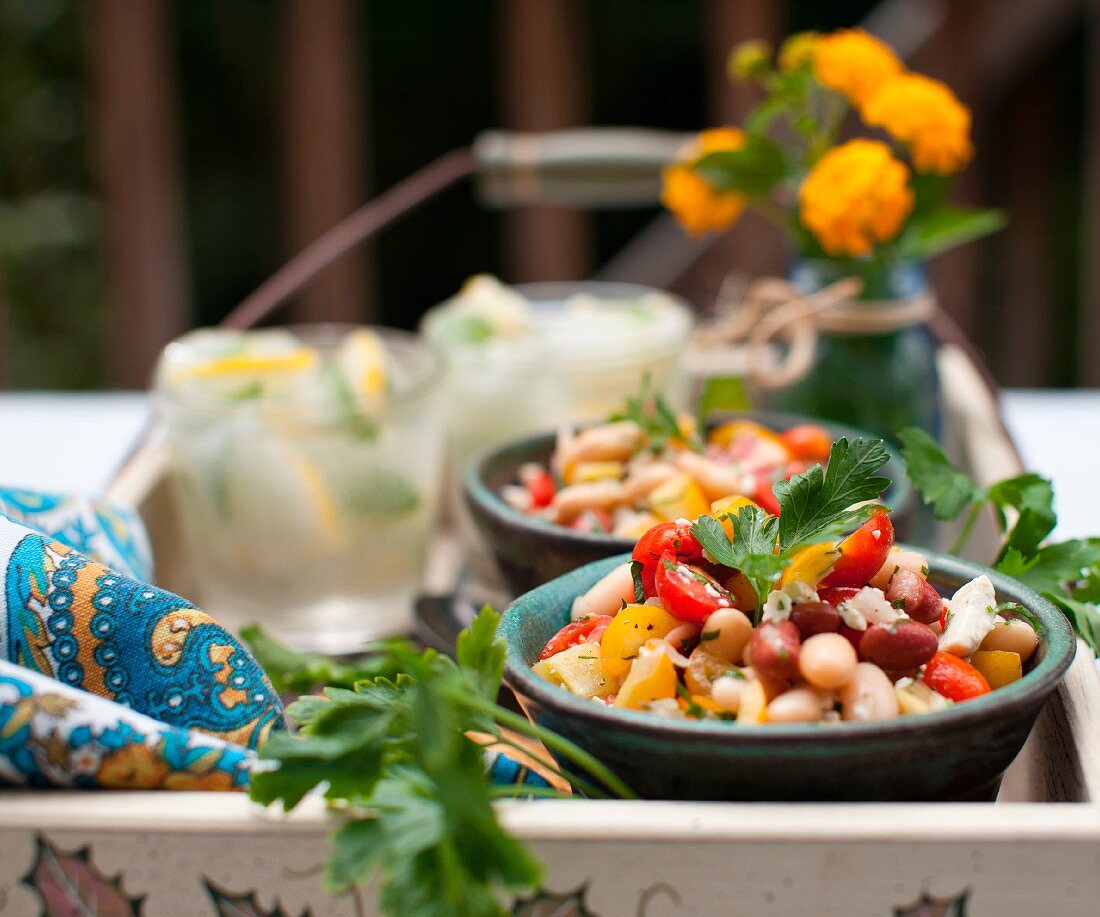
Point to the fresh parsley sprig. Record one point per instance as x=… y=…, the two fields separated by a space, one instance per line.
x=815 y=506
x=1067 y=573
x=652 y=413
x=389 y=745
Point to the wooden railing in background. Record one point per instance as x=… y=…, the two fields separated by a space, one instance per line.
x=1007 y=293
x=135 y=118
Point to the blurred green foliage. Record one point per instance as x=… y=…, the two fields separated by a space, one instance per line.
x=51 y=283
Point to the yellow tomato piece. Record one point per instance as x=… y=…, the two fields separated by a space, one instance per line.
x=679 y=497
x=578 y=669
x=642 y=524
x=812 y=564
x=652 y=677
x=725 y=508
x=698 y=700
x=586 y=472
x=733 y=430
x=754 y=704
x=629 y=630
x=999 y=667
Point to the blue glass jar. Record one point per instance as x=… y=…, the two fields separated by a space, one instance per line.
x=880 y=382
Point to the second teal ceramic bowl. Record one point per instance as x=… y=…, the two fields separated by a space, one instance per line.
x=955 y=754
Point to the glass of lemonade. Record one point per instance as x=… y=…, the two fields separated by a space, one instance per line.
x=306 y=463
x=532 y=357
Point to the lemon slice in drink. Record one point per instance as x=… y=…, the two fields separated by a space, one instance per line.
x=361 y=359
x=277 y=500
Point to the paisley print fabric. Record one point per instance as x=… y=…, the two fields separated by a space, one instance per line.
x=54 y=735
x=104 y=530
x=113 y=647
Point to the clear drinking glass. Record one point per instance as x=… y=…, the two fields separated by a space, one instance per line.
x=306 y=462
x=580 y=349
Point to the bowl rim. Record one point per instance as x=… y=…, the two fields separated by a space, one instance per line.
x=1060 y=650
x=490 y=502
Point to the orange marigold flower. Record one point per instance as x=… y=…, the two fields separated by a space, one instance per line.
x=857 y=194
x=928 y=117
x=853 y=62
x=698 y=205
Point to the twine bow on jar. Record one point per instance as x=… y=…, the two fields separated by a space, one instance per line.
x=772 y=309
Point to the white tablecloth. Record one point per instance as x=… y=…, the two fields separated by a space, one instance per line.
x=73 y=442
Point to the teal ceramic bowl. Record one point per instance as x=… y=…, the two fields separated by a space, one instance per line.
x=955 y=754
x=529 y=552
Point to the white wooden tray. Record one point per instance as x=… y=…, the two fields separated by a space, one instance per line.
x=1035 y=851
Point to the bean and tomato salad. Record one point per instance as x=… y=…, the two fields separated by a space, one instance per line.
x=852 y=631
x=625 y=476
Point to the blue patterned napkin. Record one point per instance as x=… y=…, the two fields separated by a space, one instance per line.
x=107 y=682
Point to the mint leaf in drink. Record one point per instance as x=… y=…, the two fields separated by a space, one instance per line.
x=381 y=492
x=946 y=488
x=818 y=501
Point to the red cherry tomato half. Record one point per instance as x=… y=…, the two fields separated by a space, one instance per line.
x=954 y=678
x=687 y=592
x=674 y=537
x=575 y=633
x=863 y=552
x=763 y=496
x=541 y=489
x=808 y=441
x=834 y=595
x=596 y=520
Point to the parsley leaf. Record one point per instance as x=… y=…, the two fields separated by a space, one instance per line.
x=948 y=489
x=752 y=549
x=652 y=413
x=817 y=502
x=1033 y=499
x=392 y=749
x=1066 y=573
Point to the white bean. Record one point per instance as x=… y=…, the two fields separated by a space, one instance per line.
x=868 y=695
x=571 y=501
x=609 y=442
x=799 y=705
x=898 y=560
x=727 y=632
x=827 y=660
x=606 y=596
x=726 y=692
x=1013 y=636
x=717 y=480
x=641 y=481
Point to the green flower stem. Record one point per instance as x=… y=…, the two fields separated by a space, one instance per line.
x=566 y=749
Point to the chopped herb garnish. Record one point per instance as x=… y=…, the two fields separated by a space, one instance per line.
x=636 y=575
x=658 y=421
x=709 y=635
x=899 y=604
x=816 y=505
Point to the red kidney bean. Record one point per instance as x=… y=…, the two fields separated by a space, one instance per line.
x=922 y=602
x=774 y=650
x=852 y=635
x=898 y=647
x=814 y=618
